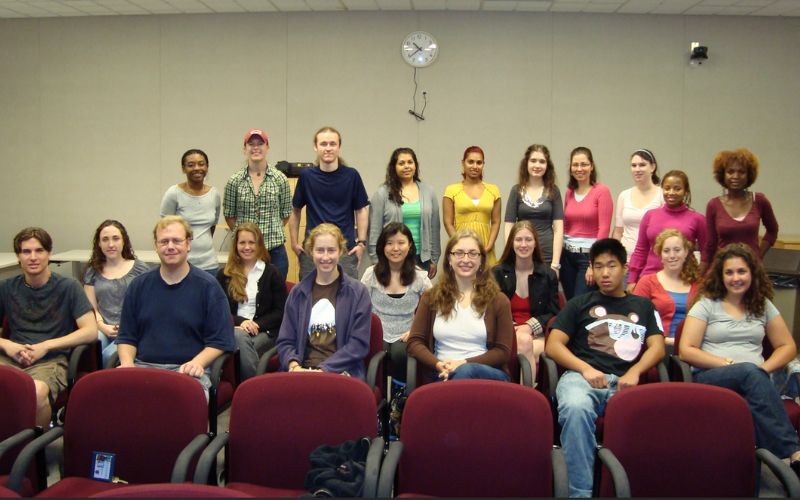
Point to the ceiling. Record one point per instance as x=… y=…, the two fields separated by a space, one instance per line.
x=69 y=8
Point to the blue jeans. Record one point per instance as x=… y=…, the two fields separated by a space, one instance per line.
x=573 y=273
x=107 y=347
x=579 y=405
x=772 y=427
x=280 y=260
x=479 y=371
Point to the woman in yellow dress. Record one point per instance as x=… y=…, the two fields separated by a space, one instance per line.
x=473 y=204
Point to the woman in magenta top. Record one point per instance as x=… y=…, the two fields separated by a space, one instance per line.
x=675 y=214
x=737 y=214
x=588 y=209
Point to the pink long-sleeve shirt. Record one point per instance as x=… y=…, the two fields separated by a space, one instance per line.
x=590 y=217
x=692 y=224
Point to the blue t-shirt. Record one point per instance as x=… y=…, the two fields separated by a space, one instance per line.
x=680 y=300
x=331 y=197
x=171 y=324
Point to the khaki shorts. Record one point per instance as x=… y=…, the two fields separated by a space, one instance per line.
x=53 y=372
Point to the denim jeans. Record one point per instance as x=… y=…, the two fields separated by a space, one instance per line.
x=773 y=430
x=479 y=371
x=107 y=347
x=579 y=405
x=204 y=380
x=573 y=273
x=280 y=260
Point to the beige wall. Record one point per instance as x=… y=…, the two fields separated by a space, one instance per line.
x=95 y=112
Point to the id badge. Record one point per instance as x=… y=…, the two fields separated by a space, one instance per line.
x=103 y=466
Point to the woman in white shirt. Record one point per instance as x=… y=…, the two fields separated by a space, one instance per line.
x=256 y=295
x=633 y=202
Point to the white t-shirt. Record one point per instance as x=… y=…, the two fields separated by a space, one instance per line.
x=461 y=336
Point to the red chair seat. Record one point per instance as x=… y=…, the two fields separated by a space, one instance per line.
x=171 y=490
x=265 y=491
x=27 y=487
x=77 y=487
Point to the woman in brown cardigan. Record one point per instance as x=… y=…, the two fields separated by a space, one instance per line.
x=463 y=326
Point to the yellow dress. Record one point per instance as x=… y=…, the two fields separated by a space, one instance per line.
x=475 y=214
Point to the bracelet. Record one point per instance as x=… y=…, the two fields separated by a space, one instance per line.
x=555 y=266
x=361 y=242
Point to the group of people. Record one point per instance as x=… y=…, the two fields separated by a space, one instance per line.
x=614 y=326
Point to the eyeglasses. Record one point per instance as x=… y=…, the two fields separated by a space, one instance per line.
x=175 y=241
x=459 y=254
x=581 y=165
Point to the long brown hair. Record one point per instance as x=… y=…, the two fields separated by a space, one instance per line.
x=445 y=292
x=234 y=268
x=98 y=259
x=760 y=285
x=690 y=272
x=509 y=256
x=549 y=178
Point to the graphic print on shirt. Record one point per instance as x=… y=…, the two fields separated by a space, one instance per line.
x=615 y=334
x=322 y=323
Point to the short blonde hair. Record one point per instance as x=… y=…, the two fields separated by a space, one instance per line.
x=172 y=219
x=325 y=228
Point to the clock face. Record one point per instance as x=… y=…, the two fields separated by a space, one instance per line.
x=419 y=49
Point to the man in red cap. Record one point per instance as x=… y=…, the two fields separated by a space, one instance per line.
x=259 y=193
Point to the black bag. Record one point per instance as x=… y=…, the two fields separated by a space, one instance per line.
x=338 y=471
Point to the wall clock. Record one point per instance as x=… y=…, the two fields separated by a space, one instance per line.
x=419 y=49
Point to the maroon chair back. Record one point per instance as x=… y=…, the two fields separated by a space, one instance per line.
x=479 y=438
x=171 y=490
x=681 y=439
x=277 y=419
x=18 y=394
x=145 y=416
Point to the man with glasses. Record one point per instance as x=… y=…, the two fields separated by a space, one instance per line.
x=175 y=316
x=47 y=314
x=259 y=193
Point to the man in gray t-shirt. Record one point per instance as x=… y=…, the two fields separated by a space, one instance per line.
x=46 y=315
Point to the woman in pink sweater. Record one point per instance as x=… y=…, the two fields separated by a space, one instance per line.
x=736 y=216
x=588 y=209
x=675 y=214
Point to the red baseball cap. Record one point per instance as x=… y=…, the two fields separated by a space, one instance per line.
x=256 y=131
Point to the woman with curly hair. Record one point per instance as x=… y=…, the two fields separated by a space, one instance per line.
x=463 y=326
x=536 y=198
x=672 y=289
x=256 y=295
x=722 y=339
x=404 y=198
x=736 y=215
x=111 y=268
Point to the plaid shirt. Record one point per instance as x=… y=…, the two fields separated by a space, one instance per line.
x=267 y=209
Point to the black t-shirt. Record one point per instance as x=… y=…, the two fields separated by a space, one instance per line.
x=607 y=332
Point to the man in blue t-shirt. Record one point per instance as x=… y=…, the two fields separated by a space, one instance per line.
x=46 y=315
x=605 y=339
x=331 y=192
x=175 y=316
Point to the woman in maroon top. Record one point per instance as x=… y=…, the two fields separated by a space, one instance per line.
x=737 y=215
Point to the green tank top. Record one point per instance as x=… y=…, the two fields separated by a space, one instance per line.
x=411 y=218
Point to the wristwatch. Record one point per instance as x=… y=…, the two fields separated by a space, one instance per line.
x=361 y=242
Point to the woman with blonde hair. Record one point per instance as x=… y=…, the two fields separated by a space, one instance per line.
x=326 y=323
x=672 y=289
x=256 y=295
x=463 y=326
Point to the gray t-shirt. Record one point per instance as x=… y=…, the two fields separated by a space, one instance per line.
x=111 y=292
x=39 y=314
x=396 y=314
x=202 y=213
x=738 y=339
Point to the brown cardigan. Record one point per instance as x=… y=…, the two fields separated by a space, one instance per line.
x=499 y=333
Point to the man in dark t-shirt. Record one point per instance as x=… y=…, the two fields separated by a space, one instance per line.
x=605 y=339
x=331 y=192
x=46 y=315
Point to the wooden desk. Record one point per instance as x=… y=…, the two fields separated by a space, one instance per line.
x=79 y=258
x=790 y=241
x=9 y=265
